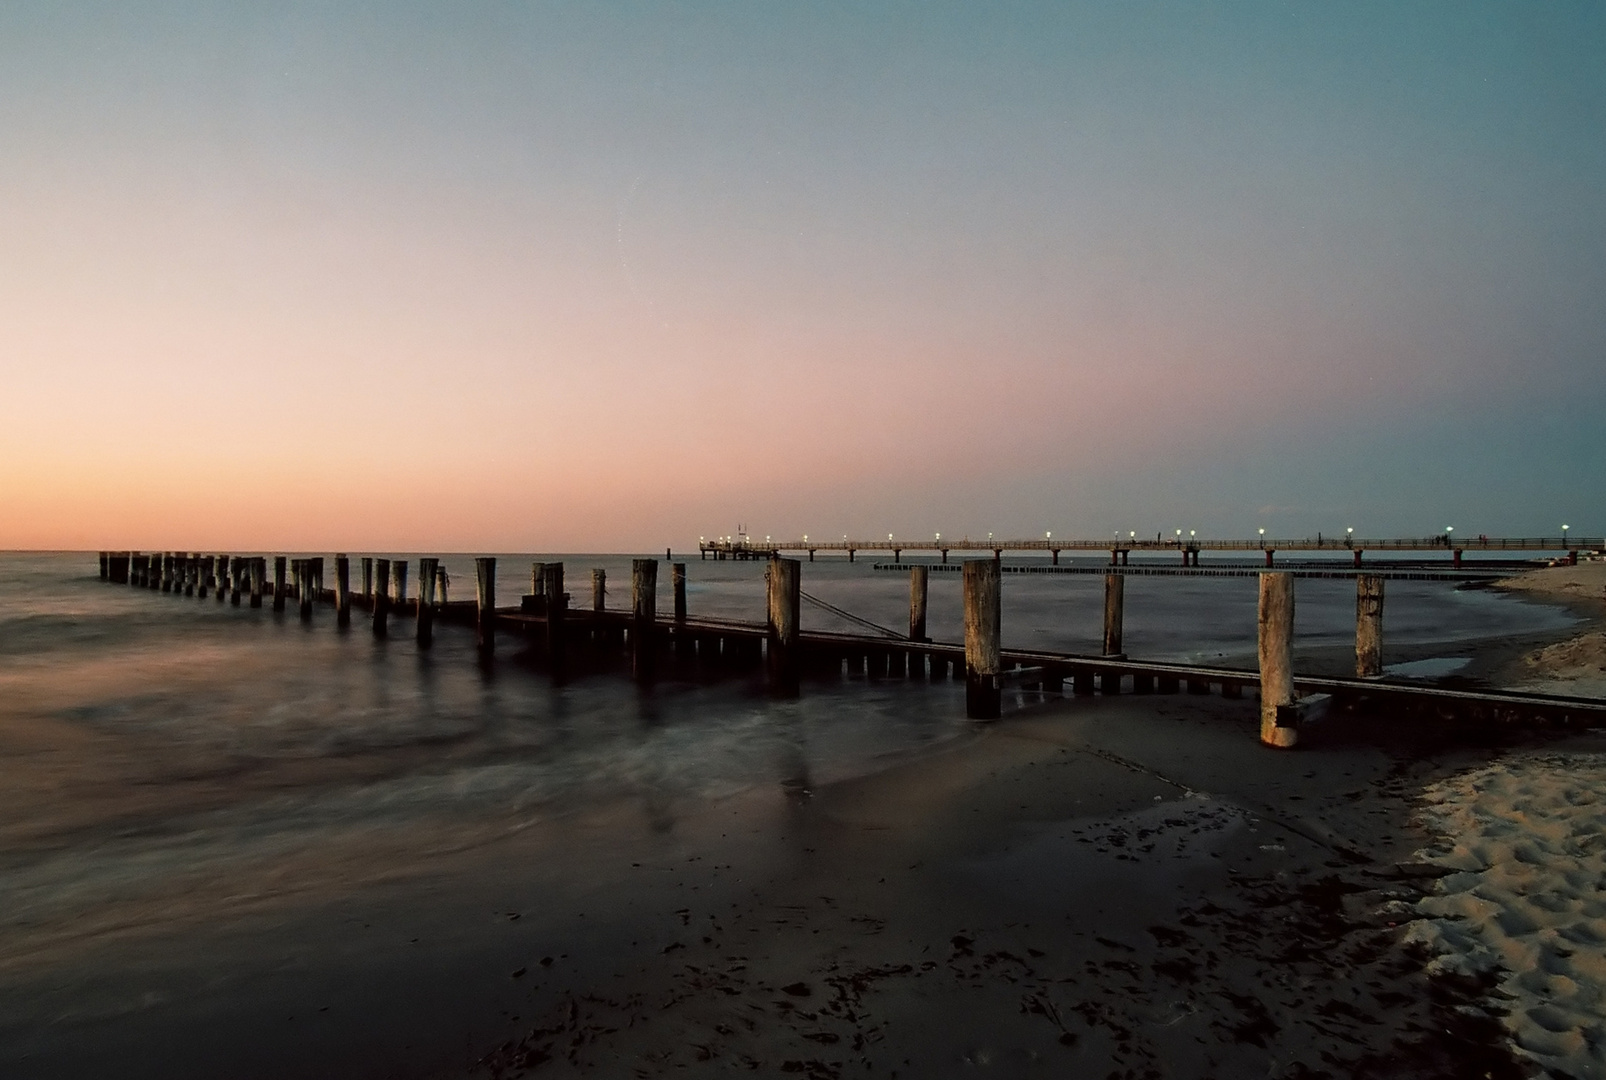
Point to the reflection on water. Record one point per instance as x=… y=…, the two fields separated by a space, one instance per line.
x=152 y=742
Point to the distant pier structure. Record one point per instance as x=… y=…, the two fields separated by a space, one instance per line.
x=1187 y=548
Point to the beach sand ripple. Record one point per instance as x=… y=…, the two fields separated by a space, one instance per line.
x=1525 y=840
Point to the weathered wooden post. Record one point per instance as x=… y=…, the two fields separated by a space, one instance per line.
x=1368 y=625
x=538 y=582
x=167 y=571
x=783 y=584
x=677 y=574
x=983 y=660
x=426 y=601
x=485 y=621
x=441 y=581
x=919 y=580
x=381 y=600
x=222 y=578
x=278 y=582
x=644 y=612
x=368 y=581
x=599 y=588
x=236 y=576
x=258 y=574
x=104 y=570
x=1114 y=605
x=342 y=591
x=190 y=562
x=398 y=581
x=1276 y=656
x=556 y=610
x=303 y=575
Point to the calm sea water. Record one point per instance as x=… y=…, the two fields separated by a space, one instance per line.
x=110 y=695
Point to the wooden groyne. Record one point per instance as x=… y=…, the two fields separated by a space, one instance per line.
x=566 y=639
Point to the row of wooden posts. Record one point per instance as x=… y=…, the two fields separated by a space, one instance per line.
x=779 y=644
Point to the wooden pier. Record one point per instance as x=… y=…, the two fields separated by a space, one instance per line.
x=1187 y=549
x=568 y=640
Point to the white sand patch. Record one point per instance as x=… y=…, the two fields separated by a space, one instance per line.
x=1527 y=841
x=1576 y=667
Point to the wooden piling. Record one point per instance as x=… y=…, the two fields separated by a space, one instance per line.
x=303 y=570
x=1114 y=605
x=222 y=578
x=599 y=589
x=983 y=659
x=258 y=572
x=556 y=615
x=278 y=582
x=191 y=566
x=426 y=601
x=644 y=610
x=538 y=581
x=485 y=594
x=342 y=591
x=368 y=581
x=783 y=586
x=381 y=598
x=236 y=573
x=677 y=575
x=398 y=586
x=919 y=577
x=442 y=579
x=1368 y=625
x=1276 y=632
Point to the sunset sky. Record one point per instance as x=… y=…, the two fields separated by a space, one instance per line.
x=562 y=277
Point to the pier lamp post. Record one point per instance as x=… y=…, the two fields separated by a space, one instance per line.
x=1179 y=537
x=1564 y=537
x=939 y=536
x=1262 y=537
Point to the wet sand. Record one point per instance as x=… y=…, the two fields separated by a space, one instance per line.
x=1089 y=886
x=1110 y=887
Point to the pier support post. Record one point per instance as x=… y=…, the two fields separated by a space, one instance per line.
x=381 y=598
x=644 y=610
x=599 y=589
x=191 y=564
x=1114 y=612
x=983 y=659
x=919 y=580
x=236 y=572
x=485 y=599
x=426 y=601
x=222 y=578
x=342 y=591
x=278 y=583
x=1368 y=625
x=677 y=575
x=1276 y=633
x=783 y=584
x=398 y=581
x=442 y=579
x=556 y=611
x=303 y=570
x=1269 y=553
x=538 y=582
x=167 y=571
x=258 y=573
x=1357 y=558
x=368 y=581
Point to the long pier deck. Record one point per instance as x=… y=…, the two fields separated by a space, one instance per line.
x=1188 y=548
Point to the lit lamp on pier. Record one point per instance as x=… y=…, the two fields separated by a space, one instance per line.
x=1262 y=537
x=1564 y=536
